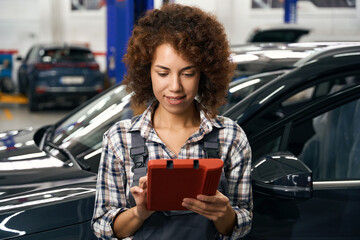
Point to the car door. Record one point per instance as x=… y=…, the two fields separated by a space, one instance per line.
x=324 y=133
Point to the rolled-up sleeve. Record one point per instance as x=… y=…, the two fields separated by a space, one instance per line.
x=239 y=179
x=110 y=190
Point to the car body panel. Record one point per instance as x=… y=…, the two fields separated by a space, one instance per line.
x=34 y=183
x=328 y=211
x=331 y=212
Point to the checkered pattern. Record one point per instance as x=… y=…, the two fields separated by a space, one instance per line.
x=115 y=175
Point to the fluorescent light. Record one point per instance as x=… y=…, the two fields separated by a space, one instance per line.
x=244 y=85
x=271 y=94
x=244 y=58
x=26 y=156
x=90 y=155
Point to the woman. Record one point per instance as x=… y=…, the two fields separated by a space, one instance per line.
x=178 y=65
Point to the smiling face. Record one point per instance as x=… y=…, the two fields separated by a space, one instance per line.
x=175 y=81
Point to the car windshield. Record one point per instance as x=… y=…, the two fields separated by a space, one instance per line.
x=66 y=55
x=241 y=88
x=83 y=130
x=250 y=63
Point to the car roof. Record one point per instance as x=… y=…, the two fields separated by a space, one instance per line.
x=241 y=48
x=263 y=57
x=278 y=33
x=263 y=48
x=332 y=59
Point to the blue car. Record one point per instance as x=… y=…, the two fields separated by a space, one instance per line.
x=59 y=72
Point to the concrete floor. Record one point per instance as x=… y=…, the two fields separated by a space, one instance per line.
x=17 y=116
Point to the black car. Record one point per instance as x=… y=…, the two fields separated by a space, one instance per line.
x=284 y=33
x=309 y=116
x=53 y=72
x=48 y=175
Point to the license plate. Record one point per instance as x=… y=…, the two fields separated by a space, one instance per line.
x=72 y=80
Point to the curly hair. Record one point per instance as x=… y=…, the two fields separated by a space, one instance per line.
x=195 y=35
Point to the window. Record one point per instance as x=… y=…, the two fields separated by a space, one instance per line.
x=327 y=141
x=33 y=55
x=240 y=89
x=66 y=54
x=330 y=143
x=299 y=99
x=267 y=145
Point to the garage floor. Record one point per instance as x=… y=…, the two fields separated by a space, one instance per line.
x=14 y=114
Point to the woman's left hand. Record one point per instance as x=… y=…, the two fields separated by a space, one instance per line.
x=211 y=207
x=215 y=208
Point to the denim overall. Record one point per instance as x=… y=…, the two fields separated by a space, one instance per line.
x=173 y=225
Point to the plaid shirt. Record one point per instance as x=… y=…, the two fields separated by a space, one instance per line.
x=115 y=175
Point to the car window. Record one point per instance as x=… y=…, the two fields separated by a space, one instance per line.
x=329 y=143
x=268 y=144
x=332 y=150
x=66 y=54
x=300 y=99
x=33 y=55
x=241 y=88
x=264 y=64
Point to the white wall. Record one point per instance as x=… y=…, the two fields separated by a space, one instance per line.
x=327 y=24
x=24 y=22
x=83 y=27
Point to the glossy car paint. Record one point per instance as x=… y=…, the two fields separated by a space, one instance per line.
x=332 y=211
x=41 y=195
x=45 y=194
x=265 y=57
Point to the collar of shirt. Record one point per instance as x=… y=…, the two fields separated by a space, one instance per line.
x=144 y=125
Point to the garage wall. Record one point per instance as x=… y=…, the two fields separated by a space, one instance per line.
x=25 y=22
x=86 y=27
x=327 y=24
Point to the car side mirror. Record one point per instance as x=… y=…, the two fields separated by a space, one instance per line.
x=282 y=175
x=19 y=58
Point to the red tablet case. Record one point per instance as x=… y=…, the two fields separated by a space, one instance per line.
x=172 y=180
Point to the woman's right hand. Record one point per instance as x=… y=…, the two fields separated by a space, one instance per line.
x=128 y=222
x=140 y=195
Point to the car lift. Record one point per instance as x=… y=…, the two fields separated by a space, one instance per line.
x=121 y=16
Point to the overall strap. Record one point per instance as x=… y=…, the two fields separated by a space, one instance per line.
x=211 y=147
x=138 y=150
x=211 y=144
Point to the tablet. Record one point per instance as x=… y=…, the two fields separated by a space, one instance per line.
x=172 y=180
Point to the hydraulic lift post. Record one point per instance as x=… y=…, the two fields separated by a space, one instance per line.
x=121 y=16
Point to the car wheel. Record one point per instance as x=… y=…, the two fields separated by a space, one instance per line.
x=7 y=85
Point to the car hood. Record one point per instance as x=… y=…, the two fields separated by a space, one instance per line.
x=32 y=183
x=18 y=145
